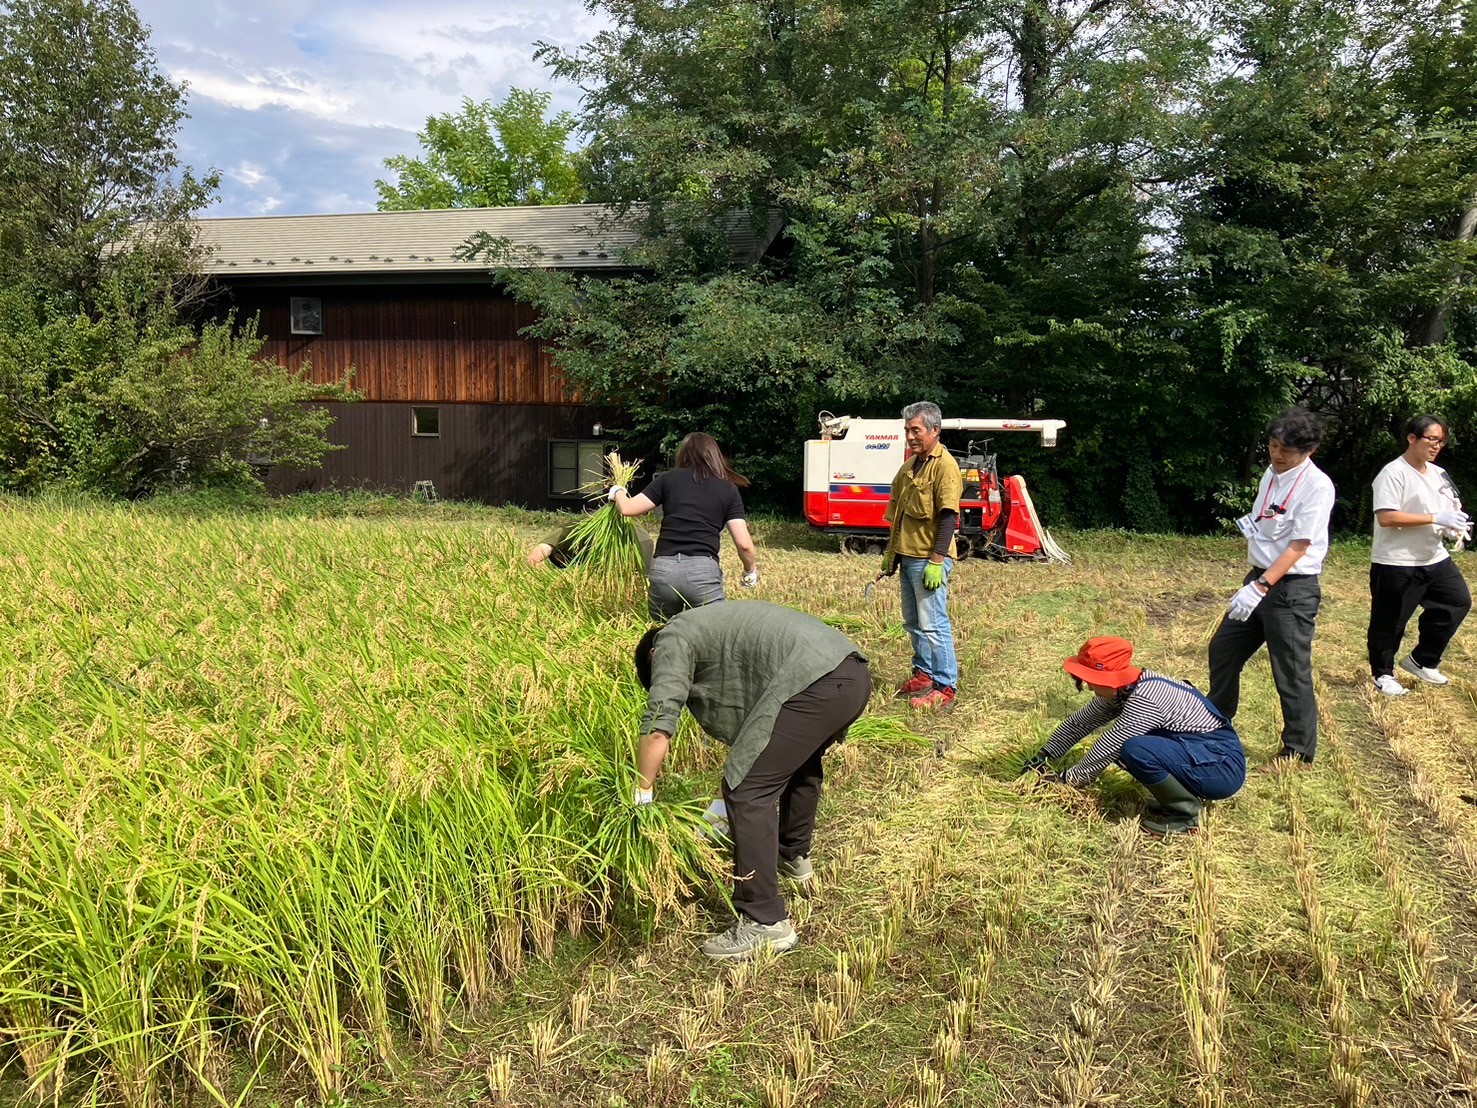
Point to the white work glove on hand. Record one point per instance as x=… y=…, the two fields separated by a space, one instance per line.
x=1245 y=601
x=1450 y=519
x=641 y=796
x=613 y=490
x=716 y=817
x=750 y=578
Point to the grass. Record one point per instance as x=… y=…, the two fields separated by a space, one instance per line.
x=328 y=805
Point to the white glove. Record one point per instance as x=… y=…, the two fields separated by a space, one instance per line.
x=750 y=579
x=1451 y=519
x=1245 y=601
x=613 y=490
x=716 y=817
x=640 y=796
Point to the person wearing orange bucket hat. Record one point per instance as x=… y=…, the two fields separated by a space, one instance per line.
x=1167 y=734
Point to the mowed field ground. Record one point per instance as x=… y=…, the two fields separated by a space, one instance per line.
x=969 y=941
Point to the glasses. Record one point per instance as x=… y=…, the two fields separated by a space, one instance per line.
x=1434 y=440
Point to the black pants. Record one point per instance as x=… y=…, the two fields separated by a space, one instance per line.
x=1284 y=621
x=772 y=812
x=1394 y=594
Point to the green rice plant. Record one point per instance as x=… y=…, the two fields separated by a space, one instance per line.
x=605 y=543
x=275 y=788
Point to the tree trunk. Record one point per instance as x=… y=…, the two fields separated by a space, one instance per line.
x=1433 y=327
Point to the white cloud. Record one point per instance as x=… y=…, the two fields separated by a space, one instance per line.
x=322 y=91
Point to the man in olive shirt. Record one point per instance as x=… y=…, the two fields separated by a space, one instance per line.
x=924 y=513
x=778 y=687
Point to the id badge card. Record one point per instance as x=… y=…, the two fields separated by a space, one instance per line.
x=1247 y=524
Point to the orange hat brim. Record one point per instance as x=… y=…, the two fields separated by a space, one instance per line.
x=1110 y=678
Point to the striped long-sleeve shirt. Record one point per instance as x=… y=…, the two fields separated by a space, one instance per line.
x=1157 y=703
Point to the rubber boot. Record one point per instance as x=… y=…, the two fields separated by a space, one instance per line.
x=1176 y=811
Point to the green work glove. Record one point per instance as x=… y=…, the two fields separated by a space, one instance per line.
x=889 y=563
x=933 y=575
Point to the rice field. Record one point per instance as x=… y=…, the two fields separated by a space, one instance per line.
x=335 y=810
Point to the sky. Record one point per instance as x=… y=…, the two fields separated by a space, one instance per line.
x=299 y=104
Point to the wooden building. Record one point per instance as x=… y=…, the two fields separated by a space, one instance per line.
x=452 y=393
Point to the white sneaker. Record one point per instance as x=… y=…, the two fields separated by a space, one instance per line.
x=746 y=938
x=1389 y=686
x=1429 y=676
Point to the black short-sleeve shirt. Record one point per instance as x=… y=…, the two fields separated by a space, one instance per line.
x=694 y=512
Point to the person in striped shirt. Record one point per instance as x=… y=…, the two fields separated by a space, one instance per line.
x=1167 y=734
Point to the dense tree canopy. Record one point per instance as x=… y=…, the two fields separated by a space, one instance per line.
x=1159 y=222
x=488 y=156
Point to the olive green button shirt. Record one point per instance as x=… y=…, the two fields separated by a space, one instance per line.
x=918 y=498
x=733 y=666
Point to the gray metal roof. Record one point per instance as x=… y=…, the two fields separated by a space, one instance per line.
x=557 y=236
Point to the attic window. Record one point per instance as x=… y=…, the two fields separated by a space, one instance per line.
x=307 y=315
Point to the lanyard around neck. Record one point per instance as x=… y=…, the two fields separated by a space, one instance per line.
x=1280 y=509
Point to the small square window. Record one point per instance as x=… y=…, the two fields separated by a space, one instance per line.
x=425 y=422
x=575 y=463
x=307 y=315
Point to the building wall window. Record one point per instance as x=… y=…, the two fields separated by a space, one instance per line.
x=573 y=463
x=307 y=315
x=425 y=422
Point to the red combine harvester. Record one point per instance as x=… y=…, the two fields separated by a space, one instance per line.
x=848 y=478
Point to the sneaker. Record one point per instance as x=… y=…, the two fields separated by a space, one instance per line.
x=797 y=869
x=746 y=938
x=1386 y=683
x=940 y=698
x=1427 y=674
x=919 y=682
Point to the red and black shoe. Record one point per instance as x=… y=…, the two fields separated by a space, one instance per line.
x=920 y=682
x=940 y=698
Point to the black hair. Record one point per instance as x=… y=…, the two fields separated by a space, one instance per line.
x=1297 y=429
x=1422 y=424
x=643 y=654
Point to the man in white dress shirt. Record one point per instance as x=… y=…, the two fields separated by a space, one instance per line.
x=1287 y=540
x=1415 y=507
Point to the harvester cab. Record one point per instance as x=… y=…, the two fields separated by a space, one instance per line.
x=848 y=479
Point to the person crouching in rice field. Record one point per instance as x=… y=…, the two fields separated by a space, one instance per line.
x=1167 y=734
x=778 y=687
x=699 y=499
x=1416 y=506
x=557 y=551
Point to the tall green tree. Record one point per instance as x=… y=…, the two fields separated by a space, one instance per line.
x=90 y=178
x=488 y=156
x=963 y=193
x=102 y=385
x=1327 y=247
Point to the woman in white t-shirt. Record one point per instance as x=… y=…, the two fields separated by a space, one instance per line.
x=1416 y=506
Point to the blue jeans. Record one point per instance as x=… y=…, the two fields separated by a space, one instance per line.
x=926 y=619
x=1212 y=766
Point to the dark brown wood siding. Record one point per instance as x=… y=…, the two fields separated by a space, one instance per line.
x=496 y=453
x=412 y=343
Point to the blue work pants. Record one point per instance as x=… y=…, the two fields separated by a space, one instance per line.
x=926 y=619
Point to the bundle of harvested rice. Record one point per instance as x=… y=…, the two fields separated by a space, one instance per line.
x=606 y=542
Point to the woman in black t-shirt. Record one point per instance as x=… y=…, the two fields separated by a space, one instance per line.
x=699 y=500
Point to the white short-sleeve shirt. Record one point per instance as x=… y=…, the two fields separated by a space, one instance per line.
x=1401 y=487
x=1305 y=496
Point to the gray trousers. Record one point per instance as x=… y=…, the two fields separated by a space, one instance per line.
x=682 y=581
x=1284 y=620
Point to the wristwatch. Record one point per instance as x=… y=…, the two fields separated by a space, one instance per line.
x=1264 y=583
